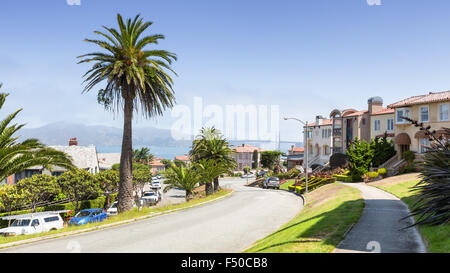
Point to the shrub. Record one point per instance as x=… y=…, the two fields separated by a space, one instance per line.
x=372 y=174
x=382 y=171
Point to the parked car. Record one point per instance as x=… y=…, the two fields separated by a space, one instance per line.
x=112 y=210
x=250 y=175
x=149 y=198
x=271 y=182
x=88 y=216
x=156 y=184
x=31 y=224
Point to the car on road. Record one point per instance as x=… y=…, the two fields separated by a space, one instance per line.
x=271 y=182
x=88 y=216
x=250 y=175
x=37 y=223
x=156 y=184
x=149 y=198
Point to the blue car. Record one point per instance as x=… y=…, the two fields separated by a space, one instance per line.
x=88 y=216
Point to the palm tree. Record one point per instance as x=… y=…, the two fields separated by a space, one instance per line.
x=135 y=79
x=185 y=178
x=208 y=170
x=16 y=156
x=142 y=155
x=211 y=144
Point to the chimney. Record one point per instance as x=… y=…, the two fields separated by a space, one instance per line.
x=73 y=142
x=375 y=104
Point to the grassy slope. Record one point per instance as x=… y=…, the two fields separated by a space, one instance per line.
x=437 y=238
x=285 y=185
x=320 y=226
x=124 y=216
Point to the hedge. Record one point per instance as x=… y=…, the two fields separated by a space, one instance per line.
x=343 y=178
x=313 y=184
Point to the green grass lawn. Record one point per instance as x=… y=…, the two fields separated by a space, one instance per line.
x=286 y=184
x=134 y=213
x=320 y=226
x=437 y=238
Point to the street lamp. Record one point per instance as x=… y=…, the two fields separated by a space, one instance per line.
x=305 y=143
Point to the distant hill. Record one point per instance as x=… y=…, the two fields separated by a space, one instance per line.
x=59 y=133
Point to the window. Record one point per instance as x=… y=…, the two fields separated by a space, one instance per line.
x=51 y=219
x=390 y=124
x=402 y=112
x=35 y=222
x=377 y=125
x=424 y=143
x=424 y=115
x=443 y=112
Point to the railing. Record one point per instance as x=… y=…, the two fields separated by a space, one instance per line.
x=390 y=162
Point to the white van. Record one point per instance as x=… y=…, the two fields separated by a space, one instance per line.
x=33 y=223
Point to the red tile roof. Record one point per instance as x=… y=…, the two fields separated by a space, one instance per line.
x=324 y=122
x=422 y=99
x=357 y=113
x=246 y=149
x=298 y=149
x=384 y=112
x=182 y=157
x=156 y=163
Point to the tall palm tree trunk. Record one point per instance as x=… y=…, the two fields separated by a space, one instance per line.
x=125 y=202
x=216 y=184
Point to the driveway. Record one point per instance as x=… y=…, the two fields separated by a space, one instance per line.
x=379 y=228
x=228 y=225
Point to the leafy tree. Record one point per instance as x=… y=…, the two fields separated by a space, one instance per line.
x=269 y=158
x=185 y=178
x=136 y=78
x=211 y=144
x=383 y=150
x=140 y=178
x=12 y=198
x=167 y=163
x=108 y=182
x=360 y=156
x=39 y=188
x=78 y=185
x=17 y=156
x=255 y=159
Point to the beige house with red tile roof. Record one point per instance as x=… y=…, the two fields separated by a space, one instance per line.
x=432 y=109
x=157 y=166
x=382 y=122
x=319 y=142
x=243 y=155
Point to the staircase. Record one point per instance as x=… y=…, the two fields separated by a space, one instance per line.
x=393 y=165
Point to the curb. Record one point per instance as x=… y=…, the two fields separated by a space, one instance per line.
x=150 y=215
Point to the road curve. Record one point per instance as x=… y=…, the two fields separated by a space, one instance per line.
x=228 y=225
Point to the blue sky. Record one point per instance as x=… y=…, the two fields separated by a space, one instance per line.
x=309 y=57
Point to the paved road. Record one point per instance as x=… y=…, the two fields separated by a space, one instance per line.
x=379 y=229
x=228 y=225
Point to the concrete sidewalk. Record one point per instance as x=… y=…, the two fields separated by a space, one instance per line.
x=378 y=230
